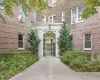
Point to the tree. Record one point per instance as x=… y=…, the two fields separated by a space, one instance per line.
x=34 y=41
x=63 y=41
x=27 y=5
x=90 y=8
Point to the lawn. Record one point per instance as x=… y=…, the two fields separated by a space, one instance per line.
x=14 y=62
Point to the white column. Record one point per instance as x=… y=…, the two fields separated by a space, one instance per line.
x=57 y=47
x=40 y=35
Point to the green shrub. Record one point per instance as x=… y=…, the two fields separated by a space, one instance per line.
x=68 y=56
x=93 y=66
x=15 y=62
x=1 y=76
x=78 y=64
x=80 y=61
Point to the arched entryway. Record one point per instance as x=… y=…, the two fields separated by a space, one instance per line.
x=49 y=44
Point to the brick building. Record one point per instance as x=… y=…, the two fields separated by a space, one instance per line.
x=13 y=34
x=85 y=33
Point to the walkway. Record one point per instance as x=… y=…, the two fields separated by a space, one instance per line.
x=49 y=69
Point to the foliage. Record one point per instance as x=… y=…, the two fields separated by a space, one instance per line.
x=34 y=41
x=63 y=40
x=90 y=8
x=68 y=56
x=27 y=5
x=1 y=76
x=92 y=66
x=13 y=63
x=79 y=61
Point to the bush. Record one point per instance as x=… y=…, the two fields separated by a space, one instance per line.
x=13 y=63
x=68 y=56
x=1 y=76
x=80 y=61
x=78 y=64
x=93 y=66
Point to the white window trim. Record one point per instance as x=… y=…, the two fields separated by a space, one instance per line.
x=63 y=16
x=88 y=49
x=76 y=14
x=23 y=43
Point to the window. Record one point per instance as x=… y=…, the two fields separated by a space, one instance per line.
x=87 y=42
x=52 y=3
x=20 y=41
x=80 y=9
x=63 y=16
x=1 y=5
x=21 y=15
x=76 y=14
x=33 y=16
x=44 y=18
x=70 y=38
x=52 y=19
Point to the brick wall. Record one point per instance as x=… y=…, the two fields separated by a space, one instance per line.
x=9 y=31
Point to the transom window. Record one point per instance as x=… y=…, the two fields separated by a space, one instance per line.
x=87 y=42
x=20 y=41
x=76 y=14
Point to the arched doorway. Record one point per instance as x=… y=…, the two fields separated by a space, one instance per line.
x=49 y=44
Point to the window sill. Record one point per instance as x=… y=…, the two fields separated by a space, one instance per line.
x=77 y=22
x=87 y=49
x=21 y=48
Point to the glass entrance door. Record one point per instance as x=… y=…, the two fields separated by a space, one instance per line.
x=49 y=48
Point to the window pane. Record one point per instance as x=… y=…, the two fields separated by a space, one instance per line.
x=80 y=9
x=1 y=1
x=21 y=13
x=70 y=38
x=20 y=44
x=20 y=37
x=20 y=40
x=87 y=40
x=74 y=15
x=44 y=18
x=88 y=44
x=87 y=37
x=54 y=2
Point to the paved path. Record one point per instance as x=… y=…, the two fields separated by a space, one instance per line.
x=49 y=68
